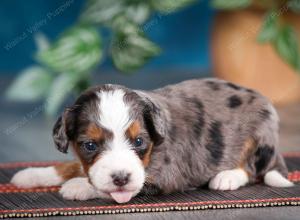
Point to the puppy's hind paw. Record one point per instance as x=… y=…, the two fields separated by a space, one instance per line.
x=78 y=189
x=229 y=180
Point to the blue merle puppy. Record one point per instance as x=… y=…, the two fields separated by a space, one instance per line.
x=197 y=132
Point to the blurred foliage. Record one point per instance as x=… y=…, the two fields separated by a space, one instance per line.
x=77 y=50
x=32 y=84
x=130 y=48
x=66 y=64
x=230 y=4
x=274 y=30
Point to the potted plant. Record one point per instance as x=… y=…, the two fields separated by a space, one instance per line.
x=65 y=65
x=255 y=43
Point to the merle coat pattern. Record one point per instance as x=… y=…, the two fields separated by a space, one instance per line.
x=192 y=132
x=207 y=123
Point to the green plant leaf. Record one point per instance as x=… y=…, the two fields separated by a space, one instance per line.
x=167 y=6
x=286 y=45
x=32 y=84
x=138 y=12
x=294 y=5
x=41 y=41
x=78 y=50
x=123 y=25
x=230 y=4
x=101 y=12
x=131 y=51
x=269 y=29
x=62 y=86
x=105 y=11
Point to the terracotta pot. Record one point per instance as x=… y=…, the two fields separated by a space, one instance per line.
x=237 y=56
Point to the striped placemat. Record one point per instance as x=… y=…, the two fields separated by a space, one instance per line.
x=45 y=201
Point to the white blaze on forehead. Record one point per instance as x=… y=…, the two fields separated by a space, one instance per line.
x=114 y=112
x=114 y=115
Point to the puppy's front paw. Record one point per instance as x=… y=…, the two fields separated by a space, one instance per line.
x=229 y=180
x=150 y=190
x=78 y=189
x=36 y=177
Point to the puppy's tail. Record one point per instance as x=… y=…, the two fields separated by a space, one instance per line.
x=47 y=176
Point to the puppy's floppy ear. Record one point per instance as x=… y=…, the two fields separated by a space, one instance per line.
x=59 y=133
x=155 y=121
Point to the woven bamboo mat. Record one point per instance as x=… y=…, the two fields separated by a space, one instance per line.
x=38 y=202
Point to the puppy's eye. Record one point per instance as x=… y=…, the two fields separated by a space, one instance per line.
x=138 y=142
x=90 y=146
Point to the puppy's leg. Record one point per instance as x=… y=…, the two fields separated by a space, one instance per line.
x=235 y=178
x=78 y=188
x=259 y=157
x=276 y=176
x=46 y=176
x=229 y=180
x=268 y=162
x=264 y=162
x=150 y=189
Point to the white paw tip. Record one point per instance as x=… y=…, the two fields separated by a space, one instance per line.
x=229 y=180
x=275 y=179
x=78 y=189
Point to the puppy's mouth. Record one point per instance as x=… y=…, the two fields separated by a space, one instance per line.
x=120 y=195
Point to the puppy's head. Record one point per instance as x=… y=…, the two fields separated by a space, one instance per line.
x=113 y=131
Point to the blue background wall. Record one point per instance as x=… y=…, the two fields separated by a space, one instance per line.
x=183 y=36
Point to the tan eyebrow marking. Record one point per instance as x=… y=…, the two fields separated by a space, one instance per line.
x=94 y=132
x=134 y=130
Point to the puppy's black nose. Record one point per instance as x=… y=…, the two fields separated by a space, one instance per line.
x=120 y=179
